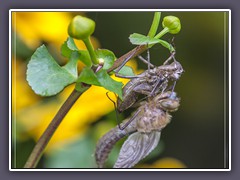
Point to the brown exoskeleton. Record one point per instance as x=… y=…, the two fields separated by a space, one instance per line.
x=150 y=82
x=145 y=129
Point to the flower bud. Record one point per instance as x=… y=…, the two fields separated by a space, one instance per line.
x=172 y=23
x=81 y=27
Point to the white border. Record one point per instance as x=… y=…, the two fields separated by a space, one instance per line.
x=230 y=86
x=119 y=10
x=116 y=10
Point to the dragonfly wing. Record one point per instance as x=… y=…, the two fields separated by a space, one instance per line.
x=106 y=143
x=136 y=147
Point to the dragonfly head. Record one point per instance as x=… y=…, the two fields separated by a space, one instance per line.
x=168 y=101
x=177 y=72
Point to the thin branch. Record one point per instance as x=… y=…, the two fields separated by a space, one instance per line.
x=133 y=53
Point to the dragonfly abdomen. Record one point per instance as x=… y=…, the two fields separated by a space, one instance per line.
x=106 y=143
x=152 y=119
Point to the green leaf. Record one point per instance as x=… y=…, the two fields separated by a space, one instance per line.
x=81 y=87
x=102 y=79
x=166 y=45
x=45 y=76
x=108 y=83
x=69 y=48
x=71 y=66
x=71 y=44
x=126 y=71
x=89 y=77
x=85 y=57
x=107 y=56
x=139 y=39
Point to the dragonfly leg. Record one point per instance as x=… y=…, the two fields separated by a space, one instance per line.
x=117 y=115
x=115 y=107
x=160 y=83
x=172 y=56
x=129 y=77
x=150 y=65
x=129 y=121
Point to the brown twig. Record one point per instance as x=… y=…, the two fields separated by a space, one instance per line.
x=133 y=53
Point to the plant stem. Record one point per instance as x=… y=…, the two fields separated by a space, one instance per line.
x=133 y=53
x=164 y=31
x=155 y=24
x=48 y=133
x=90 y=49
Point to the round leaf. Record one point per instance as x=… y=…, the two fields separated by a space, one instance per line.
x=45 y=76
x=107 y=57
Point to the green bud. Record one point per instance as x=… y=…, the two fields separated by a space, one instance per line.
x=101 y=61
x=172 y=23
x=81 y=27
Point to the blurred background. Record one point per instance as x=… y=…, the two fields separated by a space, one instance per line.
x=196 y=137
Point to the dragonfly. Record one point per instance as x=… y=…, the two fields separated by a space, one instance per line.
x=152 y=81
x=144 y=131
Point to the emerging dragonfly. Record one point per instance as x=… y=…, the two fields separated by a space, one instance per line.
x=145 y=128
x=150 y=82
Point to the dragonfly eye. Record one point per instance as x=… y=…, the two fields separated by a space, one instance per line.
x=172 y=95
x=169 y=104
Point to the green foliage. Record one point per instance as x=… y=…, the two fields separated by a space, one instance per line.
x=107 y=82
x=101 y=78
x=166 y=45
x=69 y=49
x=106 y=56
x=126 y=71
x=46 y=77
x=139 y=39
x=89 y=77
